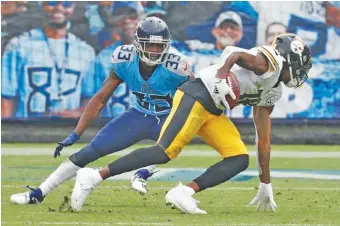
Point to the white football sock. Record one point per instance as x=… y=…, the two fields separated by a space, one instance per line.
x=151 y=169
x=188 y=190
x=64 y=172
x=98 y=179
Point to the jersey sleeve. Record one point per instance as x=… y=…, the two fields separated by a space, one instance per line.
x=10 y=69
x=270 y=97
x=228 y=51
x=274 y=59
x=120 y=59
x=178 y=64
x=88 y=85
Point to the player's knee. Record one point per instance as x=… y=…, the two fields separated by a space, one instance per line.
x=242 y=161
x=85 y=156
x=173 y=150
x=158 y=150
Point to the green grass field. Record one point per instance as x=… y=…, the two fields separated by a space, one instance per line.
x=300 y=201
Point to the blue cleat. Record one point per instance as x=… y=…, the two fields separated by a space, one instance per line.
x=138 y=182
x=30 y=197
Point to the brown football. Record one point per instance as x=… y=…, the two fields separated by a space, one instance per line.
x=235 y=86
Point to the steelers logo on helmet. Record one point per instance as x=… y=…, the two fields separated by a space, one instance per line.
x=152 y=40
x=297 y=46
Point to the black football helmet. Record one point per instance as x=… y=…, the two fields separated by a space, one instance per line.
x=152 y=30
x=297 y=56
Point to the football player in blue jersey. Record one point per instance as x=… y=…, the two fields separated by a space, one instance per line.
x=152 y=72
x=47 y=71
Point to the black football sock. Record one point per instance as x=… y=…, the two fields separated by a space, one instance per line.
x=137 y=159
x=222 y=171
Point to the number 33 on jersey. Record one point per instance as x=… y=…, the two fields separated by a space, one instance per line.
x=154 y=95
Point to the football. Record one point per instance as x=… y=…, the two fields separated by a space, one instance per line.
x=235 y=86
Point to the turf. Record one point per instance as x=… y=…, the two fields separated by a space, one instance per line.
x=274 y=147
x=300 y=201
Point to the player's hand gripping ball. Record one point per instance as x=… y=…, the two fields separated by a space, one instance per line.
x=235 y=86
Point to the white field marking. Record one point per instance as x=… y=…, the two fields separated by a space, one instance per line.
x=244 y=206
x=54 y=223
x=214 y=188
x=190 y=173
x=156 y=223
x=86 y=223
x=245 y=224
x=140 y=223
x=188 y=152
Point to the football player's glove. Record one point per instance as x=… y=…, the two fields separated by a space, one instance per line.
x=221 y=90
x=68 y=141
x=264 y=198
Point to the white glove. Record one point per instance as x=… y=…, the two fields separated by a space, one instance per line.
x=220 y=90
x=264 y=197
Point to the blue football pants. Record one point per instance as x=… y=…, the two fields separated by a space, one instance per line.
x=121 y=132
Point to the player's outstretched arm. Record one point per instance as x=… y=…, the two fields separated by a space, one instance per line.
x=97 y=102
x=92 y=110
x=262 y=122
x=244 y=58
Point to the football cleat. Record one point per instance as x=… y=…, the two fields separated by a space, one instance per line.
x=138 y=181
x=180 y=199
x=87 y=179
x=139 y=184
x=30 y=197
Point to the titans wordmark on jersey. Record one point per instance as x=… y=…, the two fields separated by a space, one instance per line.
x=264 y=90
x=47 y=75
x=153 y=96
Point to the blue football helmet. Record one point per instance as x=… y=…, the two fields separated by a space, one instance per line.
x=152 y=30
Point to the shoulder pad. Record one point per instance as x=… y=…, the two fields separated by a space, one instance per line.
x=177 y=63
x=123 y=53
x=273 y=56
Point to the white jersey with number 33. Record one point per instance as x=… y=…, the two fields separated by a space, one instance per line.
x=255 y=90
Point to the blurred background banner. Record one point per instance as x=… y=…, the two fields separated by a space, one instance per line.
x=39 y=83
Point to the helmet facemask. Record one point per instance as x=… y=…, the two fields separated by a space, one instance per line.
x=152 y=58
x=299 y=66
